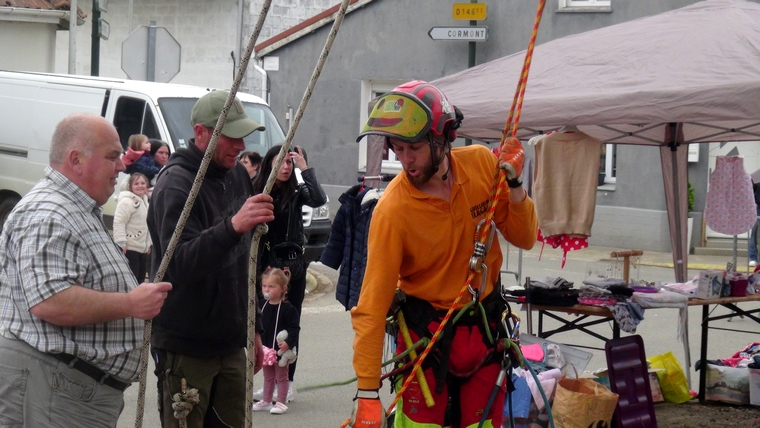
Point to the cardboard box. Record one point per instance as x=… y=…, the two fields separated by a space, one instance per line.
x=654 y=386
x=727 y=384
x=710 y=284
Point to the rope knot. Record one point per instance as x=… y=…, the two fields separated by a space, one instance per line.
x=184 y=401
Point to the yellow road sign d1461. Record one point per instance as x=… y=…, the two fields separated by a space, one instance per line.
x=469 y=11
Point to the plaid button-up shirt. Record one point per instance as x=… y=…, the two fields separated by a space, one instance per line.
x=55 y=238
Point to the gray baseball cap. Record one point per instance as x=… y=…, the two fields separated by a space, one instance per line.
x=207 y=109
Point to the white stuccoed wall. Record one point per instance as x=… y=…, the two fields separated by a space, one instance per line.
x=206 y=30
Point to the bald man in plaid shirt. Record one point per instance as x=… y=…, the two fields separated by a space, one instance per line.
x=70 y=308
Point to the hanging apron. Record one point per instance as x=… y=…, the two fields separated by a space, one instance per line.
x=730 y=207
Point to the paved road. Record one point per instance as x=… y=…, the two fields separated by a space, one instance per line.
x=326 y=339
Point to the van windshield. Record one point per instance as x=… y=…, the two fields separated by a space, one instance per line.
x=176 y=111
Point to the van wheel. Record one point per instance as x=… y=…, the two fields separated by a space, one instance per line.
x=6 y=206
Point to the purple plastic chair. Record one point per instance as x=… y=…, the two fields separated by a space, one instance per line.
x=629 y=378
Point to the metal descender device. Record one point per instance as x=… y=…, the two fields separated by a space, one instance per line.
x=478 y=259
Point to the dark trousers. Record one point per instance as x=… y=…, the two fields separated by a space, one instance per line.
x=220 y=382
x=138 y=263
x=296 y=293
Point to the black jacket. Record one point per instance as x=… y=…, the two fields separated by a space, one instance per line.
x=289 y=320
x=307 y=193
x=347 y=245
x=206 y=312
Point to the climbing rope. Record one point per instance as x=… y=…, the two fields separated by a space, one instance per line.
x=499 y=178
x=261 y=229
x=189 y=205
x=183 y=403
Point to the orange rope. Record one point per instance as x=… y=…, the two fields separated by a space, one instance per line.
x=499 y=178
x=493 y=198
x=517 y=102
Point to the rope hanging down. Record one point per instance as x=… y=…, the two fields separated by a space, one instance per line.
x=499 y=177
x=261 y=229
x=189 y=205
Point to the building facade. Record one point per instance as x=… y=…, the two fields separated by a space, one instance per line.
x=383 y=43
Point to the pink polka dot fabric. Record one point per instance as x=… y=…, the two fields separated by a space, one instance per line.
x=567 y=242
x=730 y=208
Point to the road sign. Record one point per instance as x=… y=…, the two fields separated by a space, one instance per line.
x=150 y=53
x=470 y=34
x=469 y=11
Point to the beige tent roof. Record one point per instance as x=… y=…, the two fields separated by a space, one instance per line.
x=685 y=76
x=698 y=65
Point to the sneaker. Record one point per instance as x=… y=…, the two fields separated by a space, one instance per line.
x=262 y=406
x=752 y=263
x=278 y=409
x=291 y=392
x=259 y=394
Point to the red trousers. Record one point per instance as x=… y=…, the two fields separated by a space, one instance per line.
x=467 y=351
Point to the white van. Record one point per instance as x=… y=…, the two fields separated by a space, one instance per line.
x=32 y=104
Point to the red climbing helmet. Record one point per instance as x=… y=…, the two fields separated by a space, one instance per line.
x=410 y=110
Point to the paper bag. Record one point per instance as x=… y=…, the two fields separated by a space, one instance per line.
x=583 y=403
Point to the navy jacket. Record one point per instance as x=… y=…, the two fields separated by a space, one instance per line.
x=145 y=165
x=347 y=245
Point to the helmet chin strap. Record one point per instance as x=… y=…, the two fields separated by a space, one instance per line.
x=437 y=162
x=445 y=175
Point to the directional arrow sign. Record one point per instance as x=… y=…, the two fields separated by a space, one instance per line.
x=470 y=34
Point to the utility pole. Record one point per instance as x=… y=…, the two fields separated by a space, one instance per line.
x=95 y=50
x=471 y=62
x=73 y=17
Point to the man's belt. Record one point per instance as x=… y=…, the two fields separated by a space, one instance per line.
x=91 y=371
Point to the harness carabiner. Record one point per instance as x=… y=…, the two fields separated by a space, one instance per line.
x=477 y=261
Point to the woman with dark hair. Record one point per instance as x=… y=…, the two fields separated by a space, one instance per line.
x=251 y=161
x=287 y=227
x=160 y=151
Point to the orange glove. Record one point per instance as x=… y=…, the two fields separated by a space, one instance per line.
x=511 y=159
x=368 y=410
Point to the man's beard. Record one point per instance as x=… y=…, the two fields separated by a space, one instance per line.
x=426 y=173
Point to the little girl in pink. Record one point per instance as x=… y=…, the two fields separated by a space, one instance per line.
x=277 y=314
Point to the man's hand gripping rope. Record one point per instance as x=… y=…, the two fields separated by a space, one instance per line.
x=511 y=160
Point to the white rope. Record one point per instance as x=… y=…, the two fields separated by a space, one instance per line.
x=261 y=229
x=189 y=204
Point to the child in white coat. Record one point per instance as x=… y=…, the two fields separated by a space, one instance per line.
x=130 y=226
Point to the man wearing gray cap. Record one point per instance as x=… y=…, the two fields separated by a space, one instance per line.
x=200 y=333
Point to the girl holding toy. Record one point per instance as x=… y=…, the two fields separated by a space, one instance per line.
x=281 y=327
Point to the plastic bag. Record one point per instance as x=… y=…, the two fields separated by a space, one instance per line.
x=675 y=388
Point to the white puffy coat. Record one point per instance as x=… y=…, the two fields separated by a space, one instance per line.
x=130 y=222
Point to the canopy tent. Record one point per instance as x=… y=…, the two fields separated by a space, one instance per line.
x=691 y=75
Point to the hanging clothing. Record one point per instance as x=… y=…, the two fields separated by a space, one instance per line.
x=730 y=208
x=347 y=245
x=565 y=188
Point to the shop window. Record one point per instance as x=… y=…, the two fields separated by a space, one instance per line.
x=608 y=164
x=370 y=90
